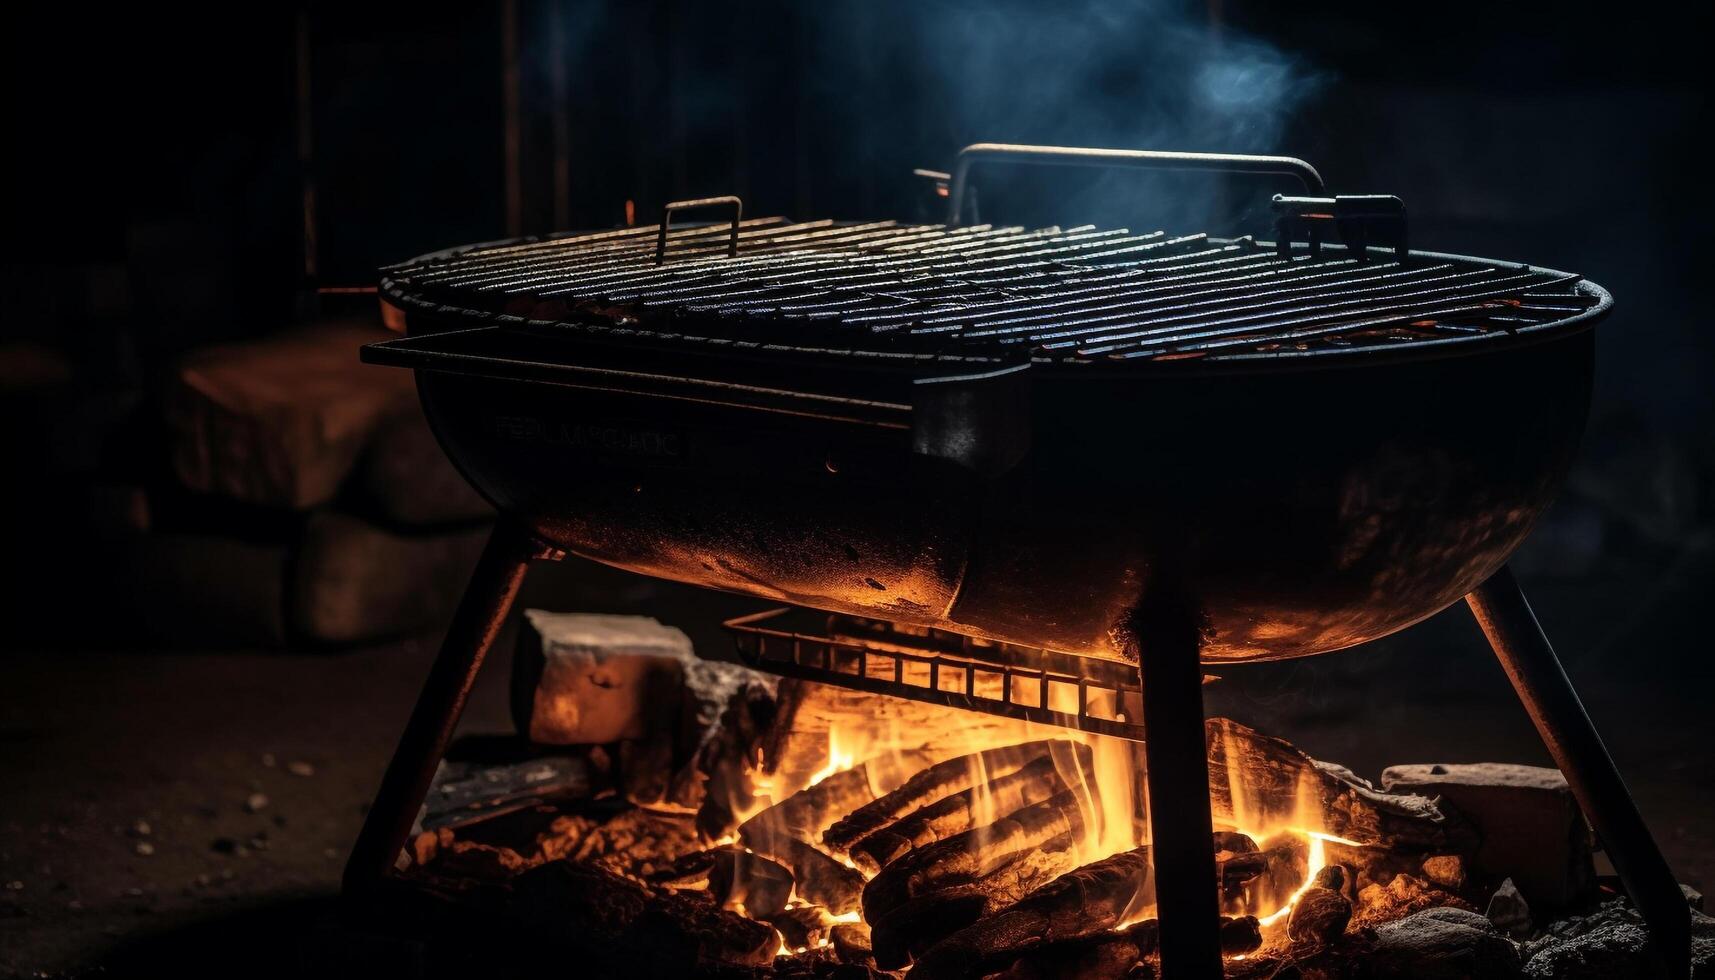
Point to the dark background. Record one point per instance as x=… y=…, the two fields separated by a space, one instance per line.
x=155 y=197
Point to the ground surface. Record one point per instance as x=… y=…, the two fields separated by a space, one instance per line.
x=93 y=744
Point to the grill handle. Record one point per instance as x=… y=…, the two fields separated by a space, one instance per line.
x=701 y=202
x=1081 y=156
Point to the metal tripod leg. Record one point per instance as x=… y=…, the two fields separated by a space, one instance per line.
x=1559 y=716
x=1181 y=829
x=476 y=623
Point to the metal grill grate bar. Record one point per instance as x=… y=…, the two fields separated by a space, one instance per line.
x=996 y=293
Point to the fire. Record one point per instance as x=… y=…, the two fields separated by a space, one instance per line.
x=839 y=758
x=1105 y=777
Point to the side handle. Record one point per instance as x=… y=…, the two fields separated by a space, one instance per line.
x=1080 y=156
x=701 y=202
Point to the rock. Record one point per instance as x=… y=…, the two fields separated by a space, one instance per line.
x=300 y=768
x=1532 y=830
x=1446 y=870
x=583 y=679
x=1508 y=910
x=282 y=421
x=1693 y=897
x=255 y=803
x=1332 y=877
x=144 y=848
x=1442 y=944
x=1320 y=915
x=355 y=581
x=1611 y=942
x=587 y=679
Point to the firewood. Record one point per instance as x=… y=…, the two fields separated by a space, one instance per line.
x=971 y=857
x=820 y=879
x=1103 y=956
x=918 y=923
x=1238 y=861
x=808 y=812
x=730 y=756
x=803 y=926
x=809 y=710
x=1119 y=953
x=930 y=786
x=1277 y=776
x=737 y=877
x=852 y=943
x=964 y=810
x=1083 y=902
x=631 y=929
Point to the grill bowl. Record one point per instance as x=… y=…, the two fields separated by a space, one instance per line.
x=1309 y=505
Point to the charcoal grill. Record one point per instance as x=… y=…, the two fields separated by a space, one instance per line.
x=1095 y=454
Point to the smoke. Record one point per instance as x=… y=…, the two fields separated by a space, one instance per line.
x=1145 y=74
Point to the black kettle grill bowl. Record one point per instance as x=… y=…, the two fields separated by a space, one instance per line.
x=1306 y=508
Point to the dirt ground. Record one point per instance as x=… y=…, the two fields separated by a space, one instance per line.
x=187 y=813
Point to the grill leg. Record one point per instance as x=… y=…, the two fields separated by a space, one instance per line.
x=1181 y=828
x=476 y=623
x=1553 y=705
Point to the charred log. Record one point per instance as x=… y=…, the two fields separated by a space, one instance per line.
x=1037 y=781
x=851 y=942
x=739 y=878
x=661 y=935
x=1084 y=902
x=803 y=926
x=917 y=924
x=974 y=857
x=1278 y=778
x=820 y=879
x=930 y=786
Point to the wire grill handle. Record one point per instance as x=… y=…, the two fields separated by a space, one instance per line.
x=701 y=202
x=1082 y=156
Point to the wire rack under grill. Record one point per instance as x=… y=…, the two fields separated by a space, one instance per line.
x=938 y=667
x=992 y=293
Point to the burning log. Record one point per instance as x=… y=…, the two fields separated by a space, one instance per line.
x=961 y=811
x=808 y=812
x=974 y=858
x=930 y=786
x=820 y=879
x=918 y=923
x=1277 y=779
x=1084 y=902
x=787 y=831
x=802 y=927
x=1118 y=954
x=809 y=711
x=1238 y=861
x=852 y=943
x=739 y=878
